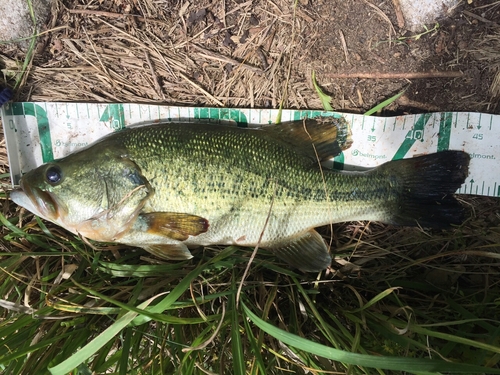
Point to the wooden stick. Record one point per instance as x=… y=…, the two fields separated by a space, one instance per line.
x=156 y=81
x=203 y=91
x=407 y=75
x=217 y=56
x=399 y=13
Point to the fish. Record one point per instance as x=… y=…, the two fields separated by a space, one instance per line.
x=172 y=186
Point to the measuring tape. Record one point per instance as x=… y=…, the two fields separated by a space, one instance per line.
x=40 y=132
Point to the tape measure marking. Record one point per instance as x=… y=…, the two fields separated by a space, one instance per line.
x=65 y=127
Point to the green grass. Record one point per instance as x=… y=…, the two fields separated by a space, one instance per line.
x=400 y=300
x=326 y=99
x=70 y=308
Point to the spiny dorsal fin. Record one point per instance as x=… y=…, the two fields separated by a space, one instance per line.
x=307 y=252
x=329 y=135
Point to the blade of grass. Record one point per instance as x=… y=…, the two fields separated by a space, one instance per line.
x=146 y=313
x=30 y=52
x=124 y=357
x=325 y=328
x=133 y=270
x=325 y=99
x=96 y=344
x=236 y=344
x=376 y=299
x=183 y=286
x=259 y=365
x=380 y=362
x=449 y=337
x=33 y=348
x=384 y=104
x=133 y=318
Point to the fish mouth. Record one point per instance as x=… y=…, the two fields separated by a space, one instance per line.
x=41 y=203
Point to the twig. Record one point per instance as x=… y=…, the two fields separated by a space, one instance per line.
x=383 y=16
x=182 y=44
x=100 y=13
x=34 y=35
x=155 y=77
x=482 y=19
x=488 y=5
x=181 y=13
x=203 y=91
x=216 y=56
x=238 y=7
x=112 y=82
x=399 y=14
x=407 y=75
x=284 y=98
x=254 y=253
x=211 y=338
x=344 y=46
x=262 y=58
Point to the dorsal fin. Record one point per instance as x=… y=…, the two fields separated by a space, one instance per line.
x=329 y=135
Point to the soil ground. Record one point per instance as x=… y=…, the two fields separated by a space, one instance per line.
x=260 y=53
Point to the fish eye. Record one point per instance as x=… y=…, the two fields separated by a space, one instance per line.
x=53 y=174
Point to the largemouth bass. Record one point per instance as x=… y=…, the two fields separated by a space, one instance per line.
x=171 y=186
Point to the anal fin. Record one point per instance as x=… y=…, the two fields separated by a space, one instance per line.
x=308 y=252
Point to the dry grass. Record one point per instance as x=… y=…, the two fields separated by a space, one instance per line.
x=240 y=54
x=110 y=56
x=487 y=50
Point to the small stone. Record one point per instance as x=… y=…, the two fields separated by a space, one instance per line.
x=16 y=22
x=418 y=13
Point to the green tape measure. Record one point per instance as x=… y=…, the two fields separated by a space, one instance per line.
x=40 y=132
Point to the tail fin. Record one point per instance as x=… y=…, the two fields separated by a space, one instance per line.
x=428 y=183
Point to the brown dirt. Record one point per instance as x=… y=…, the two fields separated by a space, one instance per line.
x=260 y=53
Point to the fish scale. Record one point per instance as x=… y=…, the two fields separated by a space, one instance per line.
x=254 y=180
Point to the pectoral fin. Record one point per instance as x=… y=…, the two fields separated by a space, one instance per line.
x=177 y=251
x=308 y=252
x=174 y=225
